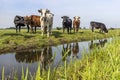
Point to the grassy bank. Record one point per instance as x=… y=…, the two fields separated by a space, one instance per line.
x=12 y=41
x=100 y=64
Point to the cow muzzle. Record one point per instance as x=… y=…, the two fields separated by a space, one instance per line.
x=44 y=19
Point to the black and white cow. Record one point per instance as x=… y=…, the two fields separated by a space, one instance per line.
x=67 y=23
x=98 y=25
x=46 y=21
x=20 y=21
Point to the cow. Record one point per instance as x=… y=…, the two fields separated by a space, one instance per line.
x=20 y=21
x=76 y=23
x=67 y=23
x=49 y=23
x=98 y=25
x=34 y=22
x=44 y=21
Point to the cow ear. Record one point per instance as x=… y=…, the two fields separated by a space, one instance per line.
x=40 y=10
x=53 y=14
x=62 y=17
x=78 y=17
x=74 y=17
x=48 y=11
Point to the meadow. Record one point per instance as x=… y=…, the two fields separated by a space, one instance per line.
x=12 y=41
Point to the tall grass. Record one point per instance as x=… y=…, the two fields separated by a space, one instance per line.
x=100 y=64
x=3 y=73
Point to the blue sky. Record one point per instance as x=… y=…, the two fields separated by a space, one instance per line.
x=106 y=11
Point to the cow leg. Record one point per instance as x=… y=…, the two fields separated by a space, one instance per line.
x=48 y=31
x=92 y=29
x=19 y=28
x=28 y=28
x=77 y=29
x=68 y=30
x=35 y=29
x=42 y=30
x=16 y=29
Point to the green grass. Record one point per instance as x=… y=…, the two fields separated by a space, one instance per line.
x=100 y=64
x=12 y=41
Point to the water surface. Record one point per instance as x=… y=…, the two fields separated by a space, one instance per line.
x=45 y=57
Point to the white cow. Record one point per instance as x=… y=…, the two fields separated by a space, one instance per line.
x=49 y=23
x=46 y=20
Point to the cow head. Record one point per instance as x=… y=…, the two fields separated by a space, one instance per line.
x=76 y=18
x=64 y=18
x=44 y=12
x=50 y=15
x=106 y=31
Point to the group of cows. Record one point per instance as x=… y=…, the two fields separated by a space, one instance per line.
x=45 y=21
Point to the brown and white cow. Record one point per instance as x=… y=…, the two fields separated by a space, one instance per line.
x=46 y=21
x=76 y=23
x=34 y=22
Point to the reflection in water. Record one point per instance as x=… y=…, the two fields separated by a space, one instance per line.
x=44 y=56
x=72 y=50
x=101 y=43
x=75 y=50
x=66 y=48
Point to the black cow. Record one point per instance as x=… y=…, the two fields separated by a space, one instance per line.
x=20 y=21
x=67 y=23
x=98 y=25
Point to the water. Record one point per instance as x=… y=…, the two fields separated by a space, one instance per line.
x=13 y=62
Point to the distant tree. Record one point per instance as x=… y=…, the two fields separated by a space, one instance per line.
x=84 y=27
x=58 y=28
x=11 y=28
x=111 y=28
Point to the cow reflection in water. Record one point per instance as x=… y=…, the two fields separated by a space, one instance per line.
x=72 y=50
x=99 y=44
x=75 y=50
x=66 y=48
x=44 y=56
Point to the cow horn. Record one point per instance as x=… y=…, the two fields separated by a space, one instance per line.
x=48 y=11
x=53 y=14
